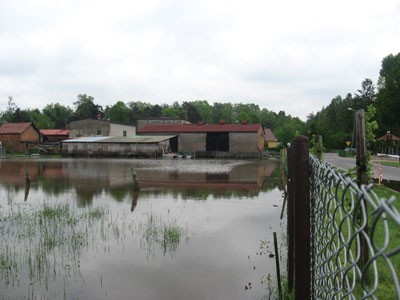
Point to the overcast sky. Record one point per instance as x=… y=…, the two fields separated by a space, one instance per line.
x=281 y=55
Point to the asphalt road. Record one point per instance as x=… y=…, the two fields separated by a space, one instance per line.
x=345 y=163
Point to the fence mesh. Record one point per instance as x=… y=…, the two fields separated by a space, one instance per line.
x=347 y=222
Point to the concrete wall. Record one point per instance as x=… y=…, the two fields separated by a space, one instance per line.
x=89 y=128
x=243 y=142
x=190 y=142
x=118 y=130
x=113 y=149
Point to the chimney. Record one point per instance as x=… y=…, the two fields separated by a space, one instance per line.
x=245 y=121
x=222 y=122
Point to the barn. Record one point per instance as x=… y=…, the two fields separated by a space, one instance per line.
x=213 y=140
x=106 y=146
x=91 y=127
x=19 y=137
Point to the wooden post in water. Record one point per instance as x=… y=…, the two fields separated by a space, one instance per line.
x=278 y=270
x=136 y=188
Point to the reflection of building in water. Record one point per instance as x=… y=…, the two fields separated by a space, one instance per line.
x=89 y=178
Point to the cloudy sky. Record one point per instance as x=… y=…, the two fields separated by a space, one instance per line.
x=282 y=55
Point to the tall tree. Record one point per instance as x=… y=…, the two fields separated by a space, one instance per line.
x=366 y=96
x=118 y=112
x=59 y=115
x=7 y=115
x=388 y=100
x=86 y=108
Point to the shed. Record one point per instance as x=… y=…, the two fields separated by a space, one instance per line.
x=92 y=127
x=213 y=140
x=270 y=140
x=19 y=137
x=54 y=135
x=103 y=146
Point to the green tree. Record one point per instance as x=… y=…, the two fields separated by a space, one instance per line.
x=118 y=112
x=59 y=115
x=388 y=99
x=366 y=96
x=7 y=115
x=86 y=108
x=222 y=111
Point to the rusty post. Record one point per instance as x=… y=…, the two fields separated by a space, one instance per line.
x=290 y=219
x=301 y=190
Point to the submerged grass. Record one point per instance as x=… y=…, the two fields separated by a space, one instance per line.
x=38 y=244
x=167 y=234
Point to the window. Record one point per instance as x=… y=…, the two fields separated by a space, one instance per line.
x=98 y=132
x=124 y=133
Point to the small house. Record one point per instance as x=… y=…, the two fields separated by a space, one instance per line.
x=19 y=137
x=54 y=135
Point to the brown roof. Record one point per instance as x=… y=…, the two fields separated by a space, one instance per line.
x=15 y=127
x=54 y=131
x=392 y=138
x=173 y=128
x=269 y=135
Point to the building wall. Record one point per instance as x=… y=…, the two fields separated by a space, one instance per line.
x=271 y=145
x=160 y=121
x=118 y=130
x=243 y=142
x=30 y=135
x=190 y=142
x=113 y=149
x=14 y=142
x=89 y=128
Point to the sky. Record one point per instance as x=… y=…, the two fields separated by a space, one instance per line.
x=287 y=55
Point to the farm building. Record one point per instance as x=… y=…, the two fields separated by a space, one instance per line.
x=54 y=135
x=19 y=137
x=213 y=140
x=160 y=121
x=270 y=140
x=103 y=146
x=89 y=127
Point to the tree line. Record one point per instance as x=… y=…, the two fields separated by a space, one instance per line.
x=57 y=116
x=335 y=123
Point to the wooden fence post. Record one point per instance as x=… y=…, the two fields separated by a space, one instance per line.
x=302 y=227
x=290 y=219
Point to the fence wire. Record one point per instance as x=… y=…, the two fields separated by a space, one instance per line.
x=345 y=219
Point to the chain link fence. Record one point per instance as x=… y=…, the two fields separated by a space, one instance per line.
x=355 y=238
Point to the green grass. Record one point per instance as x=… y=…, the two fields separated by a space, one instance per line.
x=166 y=234
x=391 y=163
x=384 y=227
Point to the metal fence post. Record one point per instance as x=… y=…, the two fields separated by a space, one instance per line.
x=290 y=219
x=301 y=189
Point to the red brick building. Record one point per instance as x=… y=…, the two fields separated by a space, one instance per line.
x=19 y=137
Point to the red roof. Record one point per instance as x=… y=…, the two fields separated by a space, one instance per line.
x=173 y=128
x=54 y=131
x=14 y=127
x=269 y=135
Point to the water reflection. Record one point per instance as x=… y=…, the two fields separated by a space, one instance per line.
x=90 y=178
x=70 y=241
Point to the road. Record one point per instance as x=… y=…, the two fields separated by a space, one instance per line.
x=345 y=163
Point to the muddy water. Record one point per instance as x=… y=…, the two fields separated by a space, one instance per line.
x=197 y=229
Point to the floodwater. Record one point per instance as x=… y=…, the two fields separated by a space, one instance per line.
x=196 y=229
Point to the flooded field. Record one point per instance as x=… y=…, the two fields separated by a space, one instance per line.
x=196 y=229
